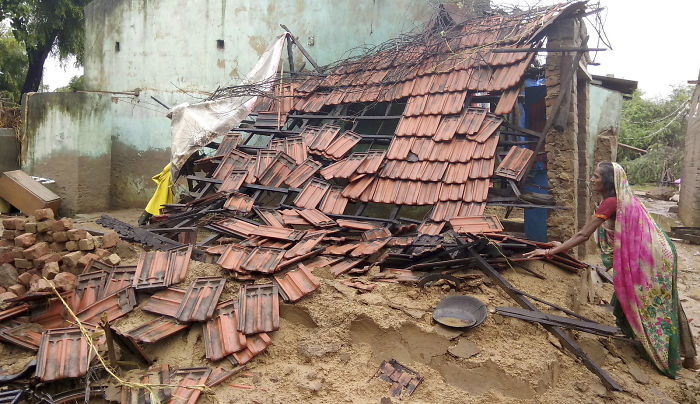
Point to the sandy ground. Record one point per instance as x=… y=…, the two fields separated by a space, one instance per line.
x=331 y=342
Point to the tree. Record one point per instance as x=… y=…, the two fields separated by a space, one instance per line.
x=13 y=66
x=75 y=84
x=45 y=26
x=658 y=126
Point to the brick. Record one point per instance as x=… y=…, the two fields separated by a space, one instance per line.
x=76 y=234
x=18 y=290
x=48 y=237
x=6 y=296
x=2 y=290
x=113 y=259
x=71 y=259
x=43 y=227
x=62 y=224
x=10 y=234
x=65 y=281
x=46 y=258
x=21 y=263
x=25 y=240
x=14 y=223
x=7 y=243
x=60 y=236
x=18 y=252
x=85 y=260
x=30 y=227
x=41 y=285
x=72 y=246
x=8 y=275
x=86 y=244
x=8 y=224
x=25 y=278
x=50 y=270
x=6 y=255
x=110 y=240
x=43 y=214
x=57 y=247
x=101 y=252
x=37 y=250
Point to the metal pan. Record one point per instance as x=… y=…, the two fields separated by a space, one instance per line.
x=460 y=312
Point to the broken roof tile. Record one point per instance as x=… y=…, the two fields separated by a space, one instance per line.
x=355 y=189
x=233 y=257
x=344 y=168
x=371 y=163
x=342 y=145
x=514 y=163
x=234 y=160
x=239 y=203
x=507 y=101
x=89 y=288
x=228 y=143
x=373 y=234
x=236 y=226
x=296 y=284
x=448 y=127
x=219 y=375
x=482 y=168
x=293 y=218
x=334 y=202
x=369 y=247
x=263 y=259
x=118 y=279
x=476 y=224
x=344 y=265
x=340 y=249
x=476 y=190
x=277 y=170
x=258 y=309
x=156 y=330
x=312 y=194
x=263 y=159
x=271 y=217
x=324 y=137
x=26 y=335
x=304 y=246
x=13 y=311
x=255 y=344
x=302 y=173
x=221 y=337
x=278 y=233
x=295 y=147
x=431 y=228
x=200 y=299
x=187 y=378
x=116 y=306
x=63 y=353
x=316 y=218
x=488 y=127
x=472 y=118
x=458 y=173
x=165 y=302
x=151 y=271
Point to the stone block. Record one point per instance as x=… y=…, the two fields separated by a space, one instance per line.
x=101 y=252
x=65 y=281
x=60 y=236
x=62 y=224
x=43 y=227
x=7 y=243
x=77 y=234
x=41 y=285
x=25 y=278
x=45 y=259
x=8 y=234
x=86 y=244
x=7 y=296
x=57 y=247
x=6 y=255
x=50 y=270
x=43 y=214
x=30 y=227
x=71 y=259
x=72 y=246
x=110 y=240
x=37 y=250
x=85 y=260
x=113 y=259
x=9 y=224
x=25 y=240
x=18 y=290
x=21 y=263
x=8 y=275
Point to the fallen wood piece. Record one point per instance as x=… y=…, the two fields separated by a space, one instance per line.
x=559 y=321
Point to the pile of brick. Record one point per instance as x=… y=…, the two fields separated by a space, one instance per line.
x=39 y=251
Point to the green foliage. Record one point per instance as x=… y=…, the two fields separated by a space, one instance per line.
x=75 y=84
x=658 y=126
x=45 y=26
x=13 y=66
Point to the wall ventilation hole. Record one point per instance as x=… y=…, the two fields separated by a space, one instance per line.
x=116 y=46
x=220 y=44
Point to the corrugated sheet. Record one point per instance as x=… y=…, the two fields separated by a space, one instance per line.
x=200 y=299
x=63 y=353
x=297 y=283
x=116 y=306
x=156 y=330
x=166 y=302
x=513 y=165
x=221 y=338
x=258 y=309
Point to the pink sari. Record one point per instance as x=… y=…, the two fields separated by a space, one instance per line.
x=644 y=263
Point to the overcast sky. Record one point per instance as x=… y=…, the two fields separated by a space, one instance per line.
x=656 y=43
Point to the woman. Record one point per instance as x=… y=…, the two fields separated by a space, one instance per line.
x=644 y=270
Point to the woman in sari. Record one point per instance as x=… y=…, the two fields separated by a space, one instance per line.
x=643 y=260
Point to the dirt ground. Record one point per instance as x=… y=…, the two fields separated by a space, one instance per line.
x=331 y=343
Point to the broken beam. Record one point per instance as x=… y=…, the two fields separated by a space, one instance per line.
x=301 y=48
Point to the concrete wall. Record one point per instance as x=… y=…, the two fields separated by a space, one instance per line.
x=689 y=203
x=9 y=150
x=67 y=140
x=168 y=50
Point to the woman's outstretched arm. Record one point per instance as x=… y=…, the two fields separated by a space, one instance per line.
x=580 y=237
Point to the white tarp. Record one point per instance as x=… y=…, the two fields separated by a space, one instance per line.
x=194 y=126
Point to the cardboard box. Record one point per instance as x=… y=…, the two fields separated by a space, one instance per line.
x=25 y=194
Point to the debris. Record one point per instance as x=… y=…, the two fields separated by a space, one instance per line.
x=26 y=194
x=403 y=380
x=464 y=349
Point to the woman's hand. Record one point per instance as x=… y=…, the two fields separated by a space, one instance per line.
x=555 y=243
x=538 y=252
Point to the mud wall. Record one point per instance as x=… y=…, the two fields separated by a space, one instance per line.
x=689 y=203
x=9 y=150
x=567 y=146
x=66 y=138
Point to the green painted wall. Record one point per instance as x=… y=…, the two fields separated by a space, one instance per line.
x=605 y=108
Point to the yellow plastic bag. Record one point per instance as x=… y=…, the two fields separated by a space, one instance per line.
x=163 y=194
